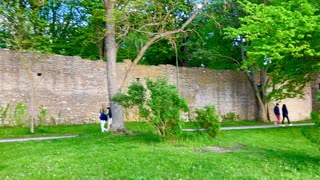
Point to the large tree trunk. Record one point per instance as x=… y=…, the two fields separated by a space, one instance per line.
x=112 y=79
x=258 y=92
x=261 y=106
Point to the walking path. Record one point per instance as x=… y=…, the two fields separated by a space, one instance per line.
x=222 y=128
x=35 y=138
x=255 y=127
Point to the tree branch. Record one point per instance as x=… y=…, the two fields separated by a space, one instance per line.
x=156 y=38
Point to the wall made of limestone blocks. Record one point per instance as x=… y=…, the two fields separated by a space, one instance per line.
x=73 y=90
x=70 y=88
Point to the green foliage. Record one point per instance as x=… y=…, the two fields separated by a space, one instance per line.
x=161 y=109
x=282 y=37
x=314 y=115
x=317 y=113
x=208 y=118
x=135 y=96
x=318 y=97
x=230 y=117
x=65 y=27
x=313 y=134
x=20 y=114
x=165 y=105
x=4 y=113
x=53 y=121
x=42 y=116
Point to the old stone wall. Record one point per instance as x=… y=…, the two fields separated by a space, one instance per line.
x=72 y=89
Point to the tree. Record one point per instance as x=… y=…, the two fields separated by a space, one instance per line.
x=155 y=19
x=281 y=42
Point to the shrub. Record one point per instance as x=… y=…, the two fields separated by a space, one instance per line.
x=4 y=113
x=20 y=114
x=230 y=117
x=42 y=116
x=207 y=118
x=314 y=115
x=161 y=109
x=164 y=106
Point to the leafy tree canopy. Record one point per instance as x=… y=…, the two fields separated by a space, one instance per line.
x=283 y=37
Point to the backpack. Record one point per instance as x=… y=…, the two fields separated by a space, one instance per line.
x=103 y=116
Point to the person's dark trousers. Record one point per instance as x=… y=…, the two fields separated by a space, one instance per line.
x=284 y=118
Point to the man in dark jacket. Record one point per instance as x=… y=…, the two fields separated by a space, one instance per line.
x=285 y=114
x=109 y=117
x=276 y=111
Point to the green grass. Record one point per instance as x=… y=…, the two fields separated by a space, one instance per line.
x=12 y=132
x=280 y=153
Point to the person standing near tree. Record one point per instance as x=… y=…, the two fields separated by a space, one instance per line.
x=276 y=111
x=285 y=114
x=109 y=118
x=103 y=119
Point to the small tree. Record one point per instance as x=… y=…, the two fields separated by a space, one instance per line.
x=207 y=118
x=161 y=108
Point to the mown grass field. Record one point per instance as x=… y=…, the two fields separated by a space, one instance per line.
x=280 y=153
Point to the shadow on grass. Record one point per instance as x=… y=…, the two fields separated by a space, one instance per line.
x=293 y=159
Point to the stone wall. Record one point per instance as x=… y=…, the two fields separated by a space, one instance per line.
x=73 y=90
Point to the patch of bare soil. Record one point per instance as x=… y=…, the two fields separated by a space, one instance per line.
x=222 y=149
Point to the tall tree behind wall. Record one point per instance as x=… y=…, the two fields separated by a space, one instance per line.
x=67 y=27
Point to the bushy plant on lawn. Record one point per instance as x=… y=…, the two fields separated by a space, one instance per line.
x=161 y=108
x=20 y=114
x=4 y=113
x=208 y=118
x=42 y=116
x=230 y=117
x=164 y=107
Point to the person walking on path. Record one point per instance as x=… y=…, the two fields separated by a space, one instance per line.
x=285 y=114
x=276 y=111
x=110 y=118
x=103 y=119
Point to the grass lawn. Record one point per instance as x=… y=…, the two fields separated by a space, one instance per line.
x=280 y=153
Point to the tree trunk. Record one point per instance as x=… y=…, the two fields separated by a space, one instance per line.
x=112 y=79
x=262 y=109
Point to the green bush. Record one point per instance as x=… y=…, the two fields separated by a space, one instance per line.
x=230 y=117
x=314 y=115
x=42 y=116
x=20 y=114
x=165 y=105
x=208 y=118
x=161 y=108
x=4 y=113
